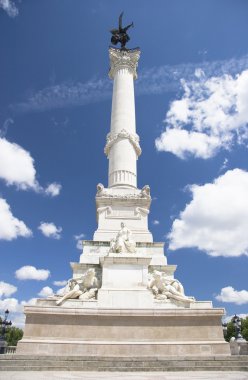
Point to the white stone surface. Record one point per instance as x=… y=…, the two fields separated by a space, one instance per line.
x=60 y=375
x=124 y=281
x=122 y=145
x=122 y=201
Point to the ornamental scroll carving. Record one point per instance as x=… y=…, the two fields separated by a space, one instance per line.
x=123 y=59
x=123 y=134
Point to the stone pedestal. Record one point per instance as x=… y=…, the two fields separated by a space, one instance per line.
x=121 y=332
x=239 y=347
x=124 y=283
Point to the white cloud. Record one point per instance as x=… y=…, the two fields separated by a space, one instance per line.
x=50 y=230
x=11 y=304
x=224 y=165
x=46 y=292
x=10 y=226
x=229 y=294
x=16 y=310
x=60 y=283
x=17 y=166
x=9 y=7
x=18 y=320
x=79 y=239
x=53 y=189
x=216 y=219
x=29 y=272
x=228 y=318
x=30 y=302
x=183 y=143
x=156 y=80
x=61 y=291
x=6 y=289
x=155 y=222
x=211 y=115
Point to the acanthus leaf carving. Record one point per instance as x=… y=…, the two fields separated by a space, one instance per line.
x=123 y=59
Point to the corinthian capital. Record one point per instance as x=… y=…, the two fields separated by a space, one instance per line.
x=123 y=59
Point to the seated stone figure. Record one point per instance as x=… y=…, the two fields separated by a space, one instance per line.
x=123 y=241
x=84 y=288
x=167 y=288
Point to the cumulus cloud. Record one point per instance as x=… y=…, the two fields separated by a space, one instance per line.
x=29 y=272
x=9 y=7
x=229 y=294
x=46 y=292
x=12 y=304
x=6 y=289
x=16 y=309
x=10 y=226
x=79 y=239
x=216 y=219
x=17 y=166
x=60 y=283
x=53 y=189
x=50 y=230
x=211 y=115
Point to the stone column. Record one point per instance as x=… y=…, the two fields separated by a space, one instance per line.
x=122 y=147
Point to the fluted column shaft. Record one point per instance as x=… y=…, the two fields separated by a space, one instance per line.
x=122 y=147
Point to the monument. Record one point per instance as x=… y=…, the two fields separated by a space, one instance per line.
x=123 y=299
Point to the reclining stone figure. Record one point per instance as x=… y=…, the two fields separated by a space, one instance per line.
x=84 y=288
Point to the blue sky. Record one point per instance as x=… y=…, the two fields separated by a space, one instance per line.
x=191 y=114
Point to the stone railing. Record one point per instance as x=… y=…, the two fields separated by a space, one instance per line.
x=10 y=350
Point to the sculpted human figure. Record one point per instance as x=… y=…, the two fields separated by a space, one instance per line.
x=72 y=291
x=145 y=192
x=84 y=287
x=120 y=35
x=166 y=288
x=123 y=241
x=100 y=190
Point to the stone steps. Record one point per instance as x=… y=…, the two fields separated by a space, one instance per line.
x=122 y=364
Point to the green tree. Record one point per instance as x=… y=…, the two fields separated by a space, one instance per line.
x=231 y=330
x=12 y=335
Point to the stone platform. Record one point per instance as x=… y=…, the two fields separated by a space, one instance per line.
x=102 y=332
x=215 y=367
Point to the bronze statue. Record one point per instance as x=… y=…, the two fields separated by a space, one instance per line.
x=120 y=35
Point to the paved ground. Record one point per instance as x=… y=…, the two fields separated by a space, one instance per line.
x=47 y=375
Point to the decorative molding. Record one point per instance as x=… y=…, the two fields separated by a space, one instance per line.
x=126 y=177
x=123 y=134
x=142 y=211
x=123 y=59
x=103 y=192
x=103 y=209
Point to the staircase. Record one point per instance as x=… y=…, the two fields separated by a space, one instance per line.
x=122 y=364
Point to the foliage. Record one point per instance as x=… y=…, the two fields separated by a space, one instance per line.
x=231 y=330
x=12 y=334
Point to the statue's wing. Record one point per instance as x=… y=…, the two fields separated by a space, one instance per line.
x=120 y=20
x=114 y=31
